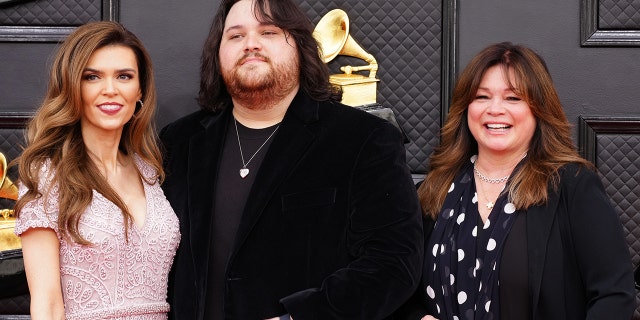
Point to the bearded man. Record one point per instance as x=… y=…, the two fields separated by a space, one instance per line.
x=291 y=205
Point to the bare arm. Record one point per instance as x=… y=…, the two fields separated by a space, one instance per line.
x=41 y=253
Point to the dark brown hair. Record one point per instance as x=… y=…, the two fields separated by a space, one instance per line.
x=550 y=148
x=285 y=14
x=54 y=131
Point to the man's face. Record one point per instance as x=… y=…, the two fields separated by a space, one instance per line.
x=256 y=58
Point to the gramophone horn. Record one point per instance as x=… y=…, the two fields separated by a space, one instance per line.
x=7 y=188
x=332 y=33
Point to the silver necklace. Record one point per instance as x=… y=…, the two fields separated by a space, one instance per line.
x=484 y=178
x=244 y=171
x=487 y=179
x=489 y=203
x=491 y=180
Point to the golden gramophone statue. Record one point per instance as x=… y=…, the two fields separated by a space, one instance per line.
x=8 y=240
x=332 y=33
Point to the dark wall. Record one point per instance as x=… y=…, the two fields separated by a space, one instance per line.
x=404 y=36
x=174 y=32
x=23 y=74
x=593 y=82
x=590 y=80
x=401 y=36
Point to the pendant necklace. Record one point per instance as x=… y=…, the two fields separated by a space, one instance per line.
x=489 y=204
x=484 y=178
x=244 y=171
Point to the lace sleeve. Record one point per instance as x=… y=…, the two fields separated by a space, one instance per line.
x=43 y=211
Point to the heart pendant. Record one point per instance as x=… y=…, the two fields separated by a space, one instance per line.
x=244 y=172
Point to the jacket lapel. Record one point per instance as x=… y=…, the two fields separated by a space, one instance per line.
x=204 y=160
x=540 y=220
x=294 y=137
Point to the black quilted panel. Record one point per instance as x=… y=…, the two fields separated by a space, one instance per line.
x=405 y=38
x=618 y=160
x=51 y=13
x=14 y=306
x=14 y=292
x=616 y=14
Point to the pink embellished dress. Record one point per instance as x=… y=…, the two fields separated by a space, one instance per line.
x=112 y=278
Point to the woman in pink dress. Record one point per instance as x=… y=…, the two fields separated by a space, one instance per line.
x=98 y=235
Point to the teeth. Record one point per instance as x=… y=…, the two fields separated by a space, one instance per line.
x=110 y=107
x=497 y=126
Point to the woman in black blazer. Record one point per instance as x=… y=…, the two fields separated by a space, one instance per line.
x=523 y=227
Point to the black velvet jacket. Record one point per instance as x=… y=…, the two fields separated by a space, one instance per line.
x=331 y=228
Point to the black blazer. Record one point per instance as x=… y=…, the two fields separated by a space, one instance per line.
x=331 y=228
x=579 y=262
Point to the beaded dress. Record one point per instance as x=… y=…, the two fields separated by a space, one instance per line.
x=111 y=278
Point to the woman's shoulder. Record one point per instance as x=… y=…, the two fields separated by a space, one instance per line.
x=579 y=179
x=42 y=211
x=148 y=172
x=44 y=180
x=576 y=171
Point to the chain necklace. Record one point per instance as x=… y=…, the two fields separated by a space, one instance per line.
x=487 y=179
x=484 y=178
x=244 y=171
x=491 y=180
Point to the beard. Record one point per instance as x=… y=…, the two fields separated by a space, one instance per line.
x=259 y=87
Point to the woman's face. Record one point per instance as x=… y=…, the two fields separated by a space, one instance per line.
x=110 y=87
x=500 y=121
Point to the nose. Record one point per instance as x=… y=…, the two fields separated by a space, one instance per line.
x=252 y=42
x=109 y=87
x=495 y=106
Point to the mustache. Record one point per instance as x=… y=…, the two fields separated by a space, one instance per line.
x=251 y=55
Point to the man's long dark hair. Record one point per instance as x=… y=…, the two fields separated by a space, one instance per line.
x=285 y=14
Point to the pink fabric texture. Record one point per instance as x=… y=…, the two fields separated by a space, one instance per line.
x=112 y=278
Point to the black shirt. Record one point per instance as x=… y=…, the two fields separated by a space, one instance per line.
x=229 y=198
x=514 y=270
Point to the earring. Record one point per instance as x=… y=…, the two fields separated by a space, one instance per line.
x=135 y=112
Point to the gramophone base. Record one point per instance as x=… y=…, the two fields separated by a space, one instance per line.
x=385 y=113
x=8 y=240
x=356 y=89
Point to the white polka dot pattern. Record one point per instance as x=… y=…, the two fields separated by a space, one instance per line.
x=464 y=260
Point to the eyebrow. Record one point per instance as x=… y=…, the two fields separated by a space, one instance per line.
x=119 y=70
x=240 y=26
x=232 y=28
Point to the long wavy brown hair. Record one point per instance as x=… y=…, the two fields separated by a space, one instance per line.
x=550 y=148
x=285 y=14
x=54 y=131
